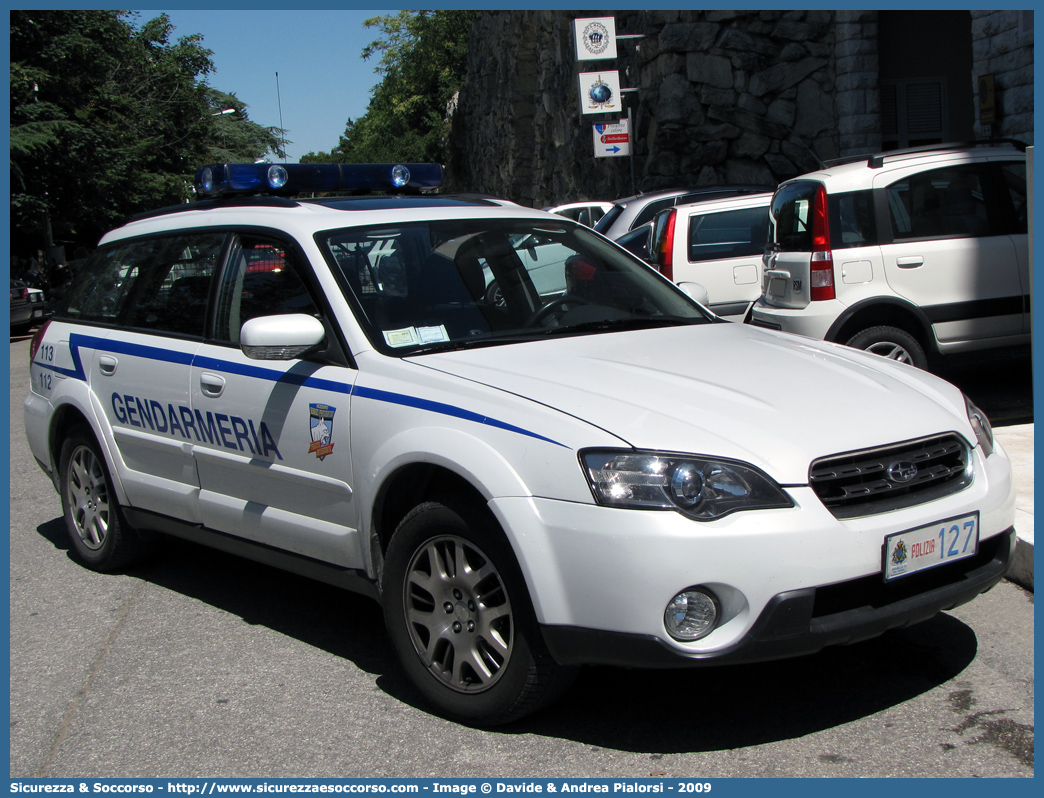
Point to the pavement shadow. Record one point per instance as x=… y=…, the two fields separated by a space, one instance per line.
x=998 y=381
x=659 y=712
x=712 y=709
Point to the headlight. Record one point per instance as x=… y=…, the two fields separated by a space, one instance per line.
x=701 y=488
x=981 y=425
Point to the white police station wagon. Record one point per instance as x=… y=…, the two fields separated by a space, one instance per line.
x=529 y=475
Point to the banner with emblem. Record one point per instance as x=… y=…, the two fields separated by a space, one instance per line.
x=600 y=92
x=595 y=38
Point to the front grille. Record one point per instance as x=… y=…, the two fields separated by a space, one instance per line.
x=878 y=480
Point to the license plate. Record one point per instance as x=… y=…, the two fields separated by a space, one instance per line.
x=928 y=546
x=777 y=286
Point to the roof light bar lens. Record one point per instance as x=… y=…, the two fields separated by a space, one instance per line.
x=277 y=176
x=215 y=180
x=400 y=175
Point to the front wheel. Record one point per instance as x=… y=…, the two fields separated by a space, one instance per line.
x=100 y=537
x=459 y=618
x=892 y=343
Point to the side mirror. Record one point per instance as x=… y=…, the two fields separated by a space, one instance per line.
x=280 y=337
x=695 y=291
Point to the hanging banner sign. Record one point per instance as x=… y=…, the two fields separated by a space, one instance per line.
x=600 y=93
x=595 y=38
x=612 y=139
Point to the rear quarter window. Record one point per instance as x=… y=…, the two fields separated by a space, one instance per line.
x=852 y=220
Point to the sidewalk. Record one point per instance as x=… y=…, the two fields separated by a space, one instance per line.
x=1018 y=443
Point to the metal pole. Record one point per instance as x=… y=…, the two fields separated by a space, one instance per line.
x=282 y=131
x=633 y=143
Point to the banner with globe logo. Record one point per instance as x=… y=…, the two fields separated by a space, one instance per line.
x=600 y=92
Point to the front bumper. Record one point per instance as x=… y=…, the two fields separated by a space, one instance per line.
x=804 y=621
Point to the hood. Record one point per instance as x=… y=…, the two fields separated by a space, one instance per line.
x=728 y=390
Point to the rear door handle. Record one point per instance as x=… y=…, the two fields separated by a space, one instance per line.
x=909 y=263
x=211 y=385
x=107 y=365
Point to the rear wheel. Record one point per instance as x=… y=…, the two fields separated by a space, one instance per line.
x=459 y=617
x=892 y=343
x=100 y=537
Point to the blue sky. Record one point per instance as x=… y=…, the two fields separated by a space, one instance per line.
x=323 y=79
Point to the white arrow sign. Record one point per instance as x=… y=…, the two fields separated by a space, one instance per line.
x=612 y=139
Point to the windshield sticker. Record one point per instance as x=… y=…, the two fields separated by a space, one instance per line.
x=407 y=336
x=320 y=421
x=433 y=335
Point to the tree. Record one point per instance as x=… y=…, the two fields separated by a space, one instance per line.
x=110 y=118
x=235 y=139
x=423 y=63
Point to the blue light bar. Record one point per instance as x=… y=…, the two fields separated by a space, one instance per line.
x=229 y=179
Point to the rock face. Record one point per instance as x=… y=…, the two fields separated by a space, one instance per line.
x=720 y=96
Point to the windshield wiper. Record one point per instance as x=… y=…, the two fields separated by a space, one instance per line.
x=621 y=325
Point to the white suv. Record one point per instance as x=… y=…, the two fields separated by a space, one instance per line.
x=906 y=254
x=717 y=244
x=585 y=469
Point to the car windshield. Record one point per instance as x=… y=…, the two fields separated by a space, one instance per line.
x=442 y=285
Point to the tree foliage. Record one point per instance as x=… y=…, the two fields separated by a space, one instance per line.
x=423 y=62
x=110 y=118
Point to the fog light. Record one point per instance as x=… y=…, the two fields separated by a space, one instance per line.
x=691 y=615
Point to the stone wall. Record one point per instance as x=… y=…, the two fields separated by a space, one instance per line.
x=723 y=96
x=1002 y=45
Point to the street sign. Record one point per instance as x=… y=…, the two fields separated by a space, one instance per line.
x=612 y=139
x=600 y=92
x=595 y=38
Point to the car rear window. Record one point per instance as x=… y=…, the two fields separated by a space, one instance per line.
x=790 y=217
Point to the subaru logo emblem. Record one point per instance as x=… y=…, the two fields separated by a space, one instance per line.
x=902 y=471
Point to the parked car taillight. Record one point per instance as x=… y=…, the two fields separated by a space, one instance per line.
x=661 y=242
x=821 y=279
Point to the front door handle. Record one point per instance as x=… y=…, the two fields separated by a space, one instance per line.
x=211 y=385
x=909 y=263
x=107 y=365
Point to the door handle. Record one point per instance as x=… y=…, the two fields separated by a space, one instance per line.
x=909 y=263
x=107 y=365
x=211 y=385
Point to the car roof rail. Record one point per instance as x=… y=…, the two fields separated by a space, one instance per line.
x=877 y=160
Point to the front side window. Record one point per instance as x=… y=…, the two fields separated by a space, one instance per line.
x=728 y=234
x=262 y=279
x=941 y=203
x=442 y=285
x=159 y=284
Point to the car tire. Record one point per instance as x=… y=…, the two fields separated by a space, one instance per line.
x=892 y=343
x=100 y=536
x=459 y=617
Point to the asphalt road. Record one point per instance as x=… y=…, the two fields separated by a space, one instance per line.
x=201 y=665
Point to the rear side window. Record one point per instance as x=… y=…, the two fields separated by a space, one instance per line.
x=852 y=220
x=1013 y=183
x=728 y=234
x=790 y=217
x=941 y=203
x=156 y=284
